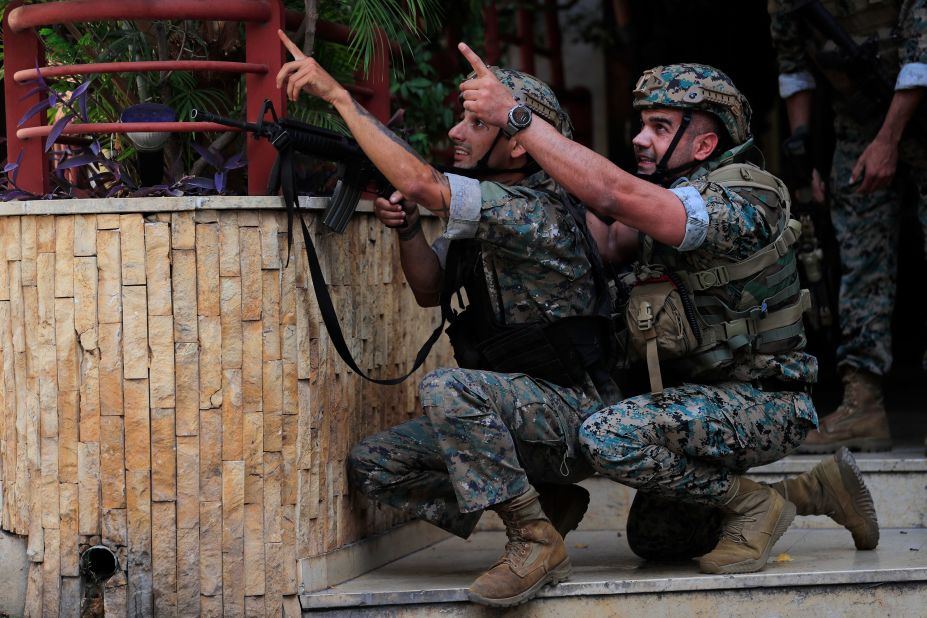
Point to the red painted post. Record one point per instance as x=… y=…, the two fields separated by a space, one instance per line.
x=526 y=36
x=555 y=46
x=263 y=47
x=22 y=50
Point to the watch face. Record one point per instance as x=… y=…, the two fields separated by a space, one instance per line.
x=521 y=115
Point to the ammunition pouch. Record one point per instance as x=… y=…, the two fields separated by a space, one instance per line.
x=661 y=325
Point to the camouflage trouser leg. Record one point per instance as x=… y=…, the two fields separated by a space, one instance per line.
x=404 y=468
x=485 y=437
x=688 y=443
x=866 y=227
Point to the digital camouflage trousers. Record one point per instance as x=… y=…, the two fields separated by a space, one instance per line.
x=483 y=438
x=688 y=443
x=866 y=226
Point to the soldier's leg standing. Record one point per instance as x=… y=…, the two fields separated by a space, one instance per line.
x=919 y=174
x=866 y=227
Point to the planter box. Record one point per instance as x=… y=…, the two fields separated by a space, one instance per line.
x=167 y=389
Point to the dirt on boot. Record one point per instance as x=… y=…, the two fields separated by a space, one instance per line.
x=535 y=556
x=859 y=423
x=757 y=517
x=835 y=487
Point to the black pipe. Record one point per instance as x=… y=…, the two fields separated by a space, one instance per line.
x=98 y=563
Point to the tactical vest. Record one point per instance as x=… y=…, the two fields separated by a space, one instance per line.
x=565 y=351
x=693 y=323
x=868 y=22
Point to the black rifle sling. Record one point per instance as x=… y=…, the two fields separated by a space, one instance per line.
x=322 y=296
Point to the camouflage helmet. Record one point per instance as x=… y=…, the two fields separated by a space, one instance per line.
x=536 y=95
x=696 y=86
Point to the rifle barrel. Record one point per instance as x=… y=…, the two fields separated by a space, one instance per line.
x=200 y=115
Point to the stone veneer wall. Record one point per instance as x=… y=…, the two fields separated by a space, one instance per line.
x=167 y=389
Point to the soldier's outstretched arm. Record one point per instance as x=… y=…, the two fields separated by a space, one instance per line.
x=402 y=166
x=599 y=183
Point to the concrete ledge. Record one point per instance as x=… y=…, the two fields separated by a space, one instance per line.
x=348 y=562
x=125 y=205
x=897 y=599
x=909 y=459
x=162 y=204
x=603 y=565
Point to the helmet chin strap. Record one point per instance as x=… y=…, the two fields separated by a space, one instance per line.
x=662 y=175
x=482 y=168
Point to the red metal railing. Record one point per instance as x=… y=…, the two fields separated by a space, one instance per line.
x=263 y=54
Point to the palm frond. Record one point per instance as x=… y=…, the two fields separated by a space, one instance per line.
x=397 y=19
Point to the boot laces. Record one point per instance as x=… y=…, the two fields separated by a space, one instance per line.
x=517 y=547
x=733 y=529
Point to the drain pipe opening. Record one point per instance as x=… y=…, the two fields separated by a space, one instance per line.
x=98 y=563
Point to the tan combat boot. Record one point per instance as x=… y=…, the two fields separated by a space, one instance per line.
x=835 y=488
x=534 y=556
x=564 y=505
x=756 y=517
x=859 y=423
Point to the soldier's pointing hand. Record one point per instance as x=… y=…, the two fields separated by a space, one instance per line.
x=483 y=94
x=304 y=73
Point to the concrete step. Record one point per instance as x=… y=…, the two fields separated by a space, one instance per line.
x=897 y=480
x=812 y=572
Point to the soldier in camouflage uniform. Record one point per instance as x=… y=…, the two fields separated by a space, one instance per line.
x=864 y=187
x=486 y=438
x=741 y=400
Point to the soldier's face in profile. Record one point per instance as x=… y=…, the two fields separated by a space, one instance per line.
x=658 y=127
x=472 y=139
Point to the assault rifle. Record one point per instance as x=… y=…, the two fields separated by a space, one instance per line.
x=290 y=136
x=355 y=171
x=860 y=62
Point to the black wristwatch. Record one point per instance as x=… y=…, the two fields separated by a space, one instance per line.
x=519 y=118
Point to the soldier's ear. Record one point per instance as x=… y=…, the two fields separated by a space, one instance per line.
x=516 y=149
x=704 y=145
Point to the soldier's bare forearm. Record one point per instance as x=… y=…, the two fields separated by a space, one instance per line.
x=904 y=104
x=398 y=162
x=422 y=270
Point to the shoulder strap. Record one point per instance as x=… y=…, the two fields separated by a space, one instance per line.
x=322 y=296
x=745 y=175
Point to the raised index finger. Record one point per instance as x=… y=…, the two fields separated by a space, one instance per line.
x=475 y=61
x=292 y=47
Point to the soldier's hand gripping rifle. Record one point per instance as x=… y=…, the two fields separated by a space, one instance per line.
x=289 y=136
x=355 y=171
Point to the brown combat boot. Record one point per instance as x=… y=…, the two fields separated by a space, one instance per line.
x=564 y=505
x=859 y=423
x=756 y=517
x=534 y=556
x=835 y=488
